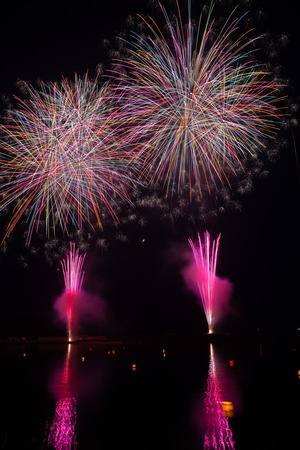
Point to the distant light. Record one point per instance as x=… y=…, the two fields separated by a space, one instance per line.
x=90 y=349
x=24 y=355
x=83 y=359
x=108 y=352
x=113 y=352
x=228 y=409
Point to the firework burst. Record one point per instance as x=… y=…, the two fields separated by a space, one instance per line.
x=62 y=158
x=197 y=105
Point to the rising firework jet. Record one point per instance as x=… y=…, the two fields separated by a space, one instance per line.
x=197 y=105
x=61 y=156
x=73 y=276
x=205 y=277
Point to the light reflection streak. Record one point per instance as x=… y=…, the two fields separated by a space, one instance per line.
x=62 y=431
x=218 y=434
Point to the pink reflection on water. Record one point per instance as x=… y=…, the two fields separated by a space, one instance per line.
x=61 y=435
x=80 y=374
x=62 y=431
x=218 y=435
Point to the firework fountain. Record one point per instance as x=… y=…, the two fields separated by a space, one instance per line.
x=200 y=277
x=206 y=262
x=73 y=277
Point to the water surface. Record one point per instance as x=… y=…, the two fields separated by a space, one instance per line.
x=184 y=395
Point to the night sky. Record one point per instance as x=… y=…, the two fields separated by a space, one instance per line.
x=139 y=278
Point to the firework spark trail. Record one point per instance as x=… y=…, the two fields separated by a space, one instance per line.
x=206 y=262
x=62 y=156
x=196 y=110
x=73 y=276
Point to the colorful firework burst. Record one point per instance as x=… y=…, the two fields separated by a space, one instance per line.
x=197 y=106
x=62 y=156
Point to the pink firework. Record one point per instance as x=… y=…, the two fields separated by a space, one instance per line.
x=73 y=276
x=205 y=257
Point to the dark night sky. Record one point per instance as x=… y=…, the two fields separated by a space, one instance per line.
x=260 y=245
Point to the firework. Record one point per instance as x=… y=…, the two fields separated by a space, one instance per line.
x=206 y=262
x=73 y=276
x=61 y=158
x=196 y=109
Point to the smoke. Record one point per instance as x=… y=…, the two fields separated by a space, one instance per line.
x=223 y=292
x=194 y=275
x=88 y=310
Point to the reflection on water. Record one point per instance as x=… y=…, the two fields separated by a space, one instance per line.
x=183 y=396
x=218 y=433
x=61 y=435
x=62 y=432
x=67 y=383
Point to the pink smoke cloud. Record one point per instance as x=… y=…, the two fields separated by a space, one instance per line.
x=87 y=309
